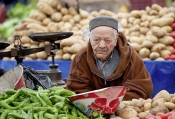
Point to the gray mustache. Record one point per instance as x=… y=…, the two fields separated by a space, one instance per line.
x=102 y=50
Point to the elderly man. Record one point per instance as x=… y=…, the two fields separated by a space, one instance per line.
x=108 y=60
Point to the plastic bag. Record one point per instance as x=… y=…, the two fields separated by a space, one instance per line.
x=33 y=79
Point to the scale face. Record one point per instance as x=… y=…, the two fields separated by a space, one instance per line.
x=49 y=36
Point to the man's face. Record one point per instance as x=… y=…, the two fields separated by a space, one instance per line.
x=103 y=39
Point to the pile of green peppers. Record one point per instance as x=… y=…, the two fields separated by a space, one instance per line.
x=51 y=103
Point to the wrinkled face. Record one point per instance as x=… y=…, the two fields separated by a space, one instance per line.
x=103 y=39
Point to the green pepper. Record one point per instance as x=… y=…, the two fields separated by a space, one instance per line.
x=7 y=106
x=43 y=103
x=10 y=91
x=41 y=114
x=55 y=98
x=81 y=115
x=64 y=92
x=46 y=99
x=3 y=115
x=30 y=114
x=13 y=97
x=49 y=116
x=35 y=116
x=30 y=106
x=16 y=115
x=74 y=111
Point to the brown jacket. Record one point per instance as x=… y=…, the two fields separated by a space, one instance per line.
x=84 y=75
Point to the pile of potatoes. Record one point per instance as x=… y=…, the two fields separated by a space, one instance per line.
x=162 y=102
x=51 y=16
x=147 y=31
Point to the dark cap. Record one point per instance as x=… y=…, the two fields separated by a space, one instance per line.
x=103 y=21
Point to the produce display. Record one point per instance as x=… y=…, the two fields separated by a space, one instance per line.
x=25 y=103
x=147 y=30
x=161 y=106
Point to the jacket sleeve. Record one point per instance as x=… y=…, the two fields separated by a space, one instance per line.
x=78 y=80
x=140 y=82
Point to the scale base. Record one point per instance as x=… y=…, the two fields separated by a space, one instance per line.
x=54 y=74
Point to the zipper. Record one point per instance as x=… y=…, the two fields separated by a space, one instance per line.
x=137 y=87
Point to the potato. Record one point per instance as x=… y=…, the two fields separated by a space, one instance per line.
x=25 y=39
x=64 y=11
x=163 y=12
x=170 y=48
x=164 y=53
x=37 y=27
x=27 y=58
x=46 y=21
x=152 y=38
x=135 y=13
x=59 y=6
x=164 y=21
x=75 y=48
x=77 y=18
x=136 y=103
x=66 y=56
x=158 y=109
x=41 y=55
x=59 y=52
x=53 y=3
x=136 y=46
x=167 y=40
x=135 y=33
x=56 y=17
x=52 y=27
x=66 y=18
x=66 y=49
x=124 y=22
x=25 y=21
x=144 y=30
x=45 y=8
x=144 y=52
x=72 y=11
x=147 y=44
x=156 y=7
x=37 y=15
x=156 y=48
x=127 y=113
x=134 y=28
x=158 y=32
x=72 y=56
x=172 y=100
x=148 y=9
x=143 y=115
x=84 y=14
x=154 y=55
x=167 y=28
x=169 y=105
x=147 y=106
x=58 y=57
x=136 y=21
x=163 y=94
x=131 y=19
x=153 y=12
x=33 y=56
x=163 y=46
x=160 y=59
